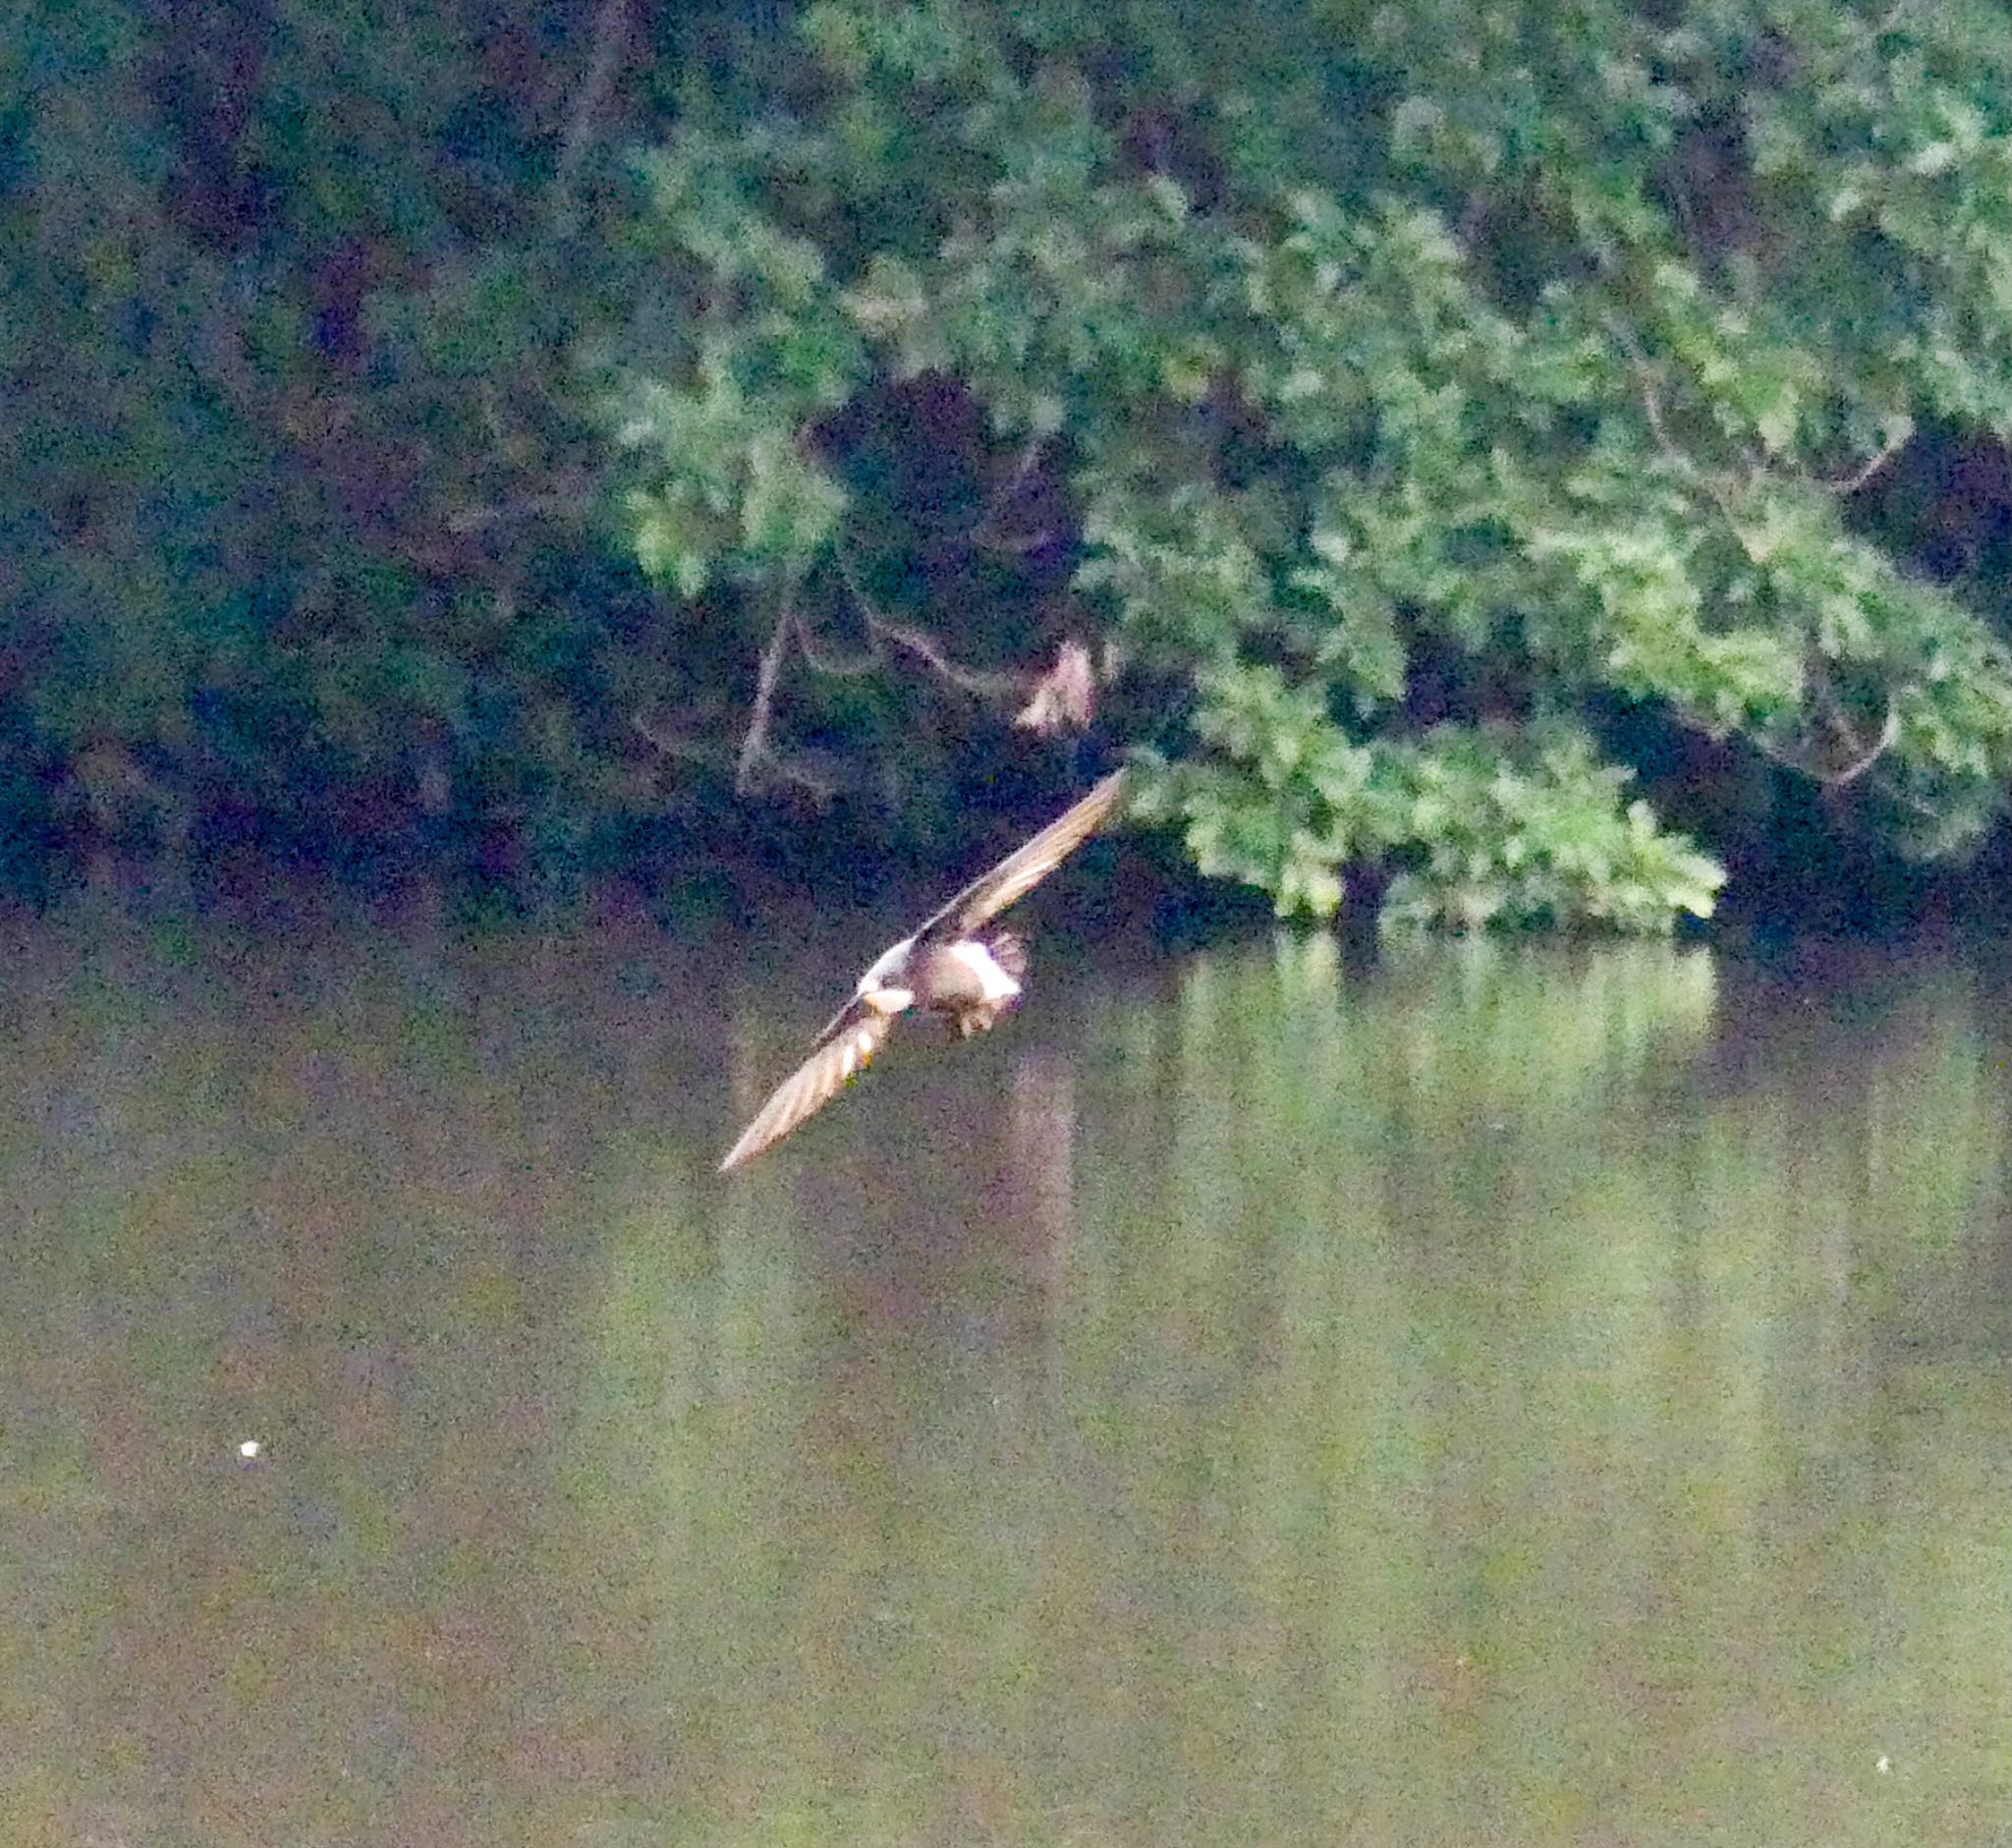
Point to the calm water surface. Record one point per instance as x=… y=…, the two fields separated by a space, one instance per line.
x=1498 y=1398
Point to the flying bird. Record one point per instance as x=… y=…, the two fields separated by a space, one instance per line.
x=949 y=964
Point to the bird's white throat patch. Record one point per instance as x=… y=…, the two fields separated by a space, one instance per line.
x=881 y=987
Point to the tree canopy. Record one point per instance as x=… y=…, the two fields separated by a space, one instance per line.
x=549 y=429
x=1394 y=395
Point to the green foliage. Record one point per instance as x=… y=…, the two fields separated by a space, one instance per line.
x=741 y=495
x=1528 y=831
x=1290 y=814
x=1482 y=826
x=300 y=457
x=1333 y=372
x=1561 y=358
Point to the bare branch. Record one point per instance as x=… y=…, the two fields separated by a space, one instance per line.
x=1901 y=435
x=796 y=769
x=572 y=503
x=1065 y=696
x=611 y=29
x=1688 y=468
x=1802 y=760
x=755 y=746
x=849 y=668
x=1651 y=396
x=978 y=684
x=1889 y=733
x=982 y=530
x=1845 y=729
x=670 y=744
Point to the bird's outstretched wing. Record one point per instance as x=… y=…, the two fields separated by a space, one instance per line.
x=986 y=896
x=854 y=1037
x=857 y=1032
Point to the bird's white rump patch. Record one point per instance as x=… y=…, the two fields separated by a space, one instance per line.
x=994 y=984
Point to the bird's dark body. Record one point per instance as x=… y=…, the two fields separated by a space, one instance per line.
x=946 y=983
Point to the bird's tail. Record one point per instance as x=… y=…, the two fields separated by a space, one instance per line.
x=1009 y=952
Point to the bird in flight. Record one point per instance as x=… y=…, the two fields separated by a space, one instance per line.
x=949 y=964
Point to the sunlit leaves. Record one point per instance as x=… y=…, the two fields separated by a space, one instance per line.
x=1505 y=831
x=1482 y=829
x=698 y=200
x=730 y=489
x=1572 y=359
x=1181 y=573
x=1281 y=808
x=1355 y=639
x=1652 y=631
x=1563 y=357
x=726 y=482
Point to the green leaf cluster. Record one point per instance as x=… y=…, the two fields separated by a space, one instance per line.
x=494 y=434
x=1481 y=826
x=295 y=446
x=1530 y=831
x=1549 y=359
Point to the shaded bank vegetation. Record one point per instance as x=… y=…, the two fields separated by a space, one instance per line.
x=533 y=443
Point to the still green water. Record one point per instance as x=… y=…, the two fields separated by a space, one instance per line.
x=1501 y=1397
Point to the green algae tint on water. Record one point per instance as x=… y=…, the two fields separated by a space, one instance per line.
x=1509 y=1397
